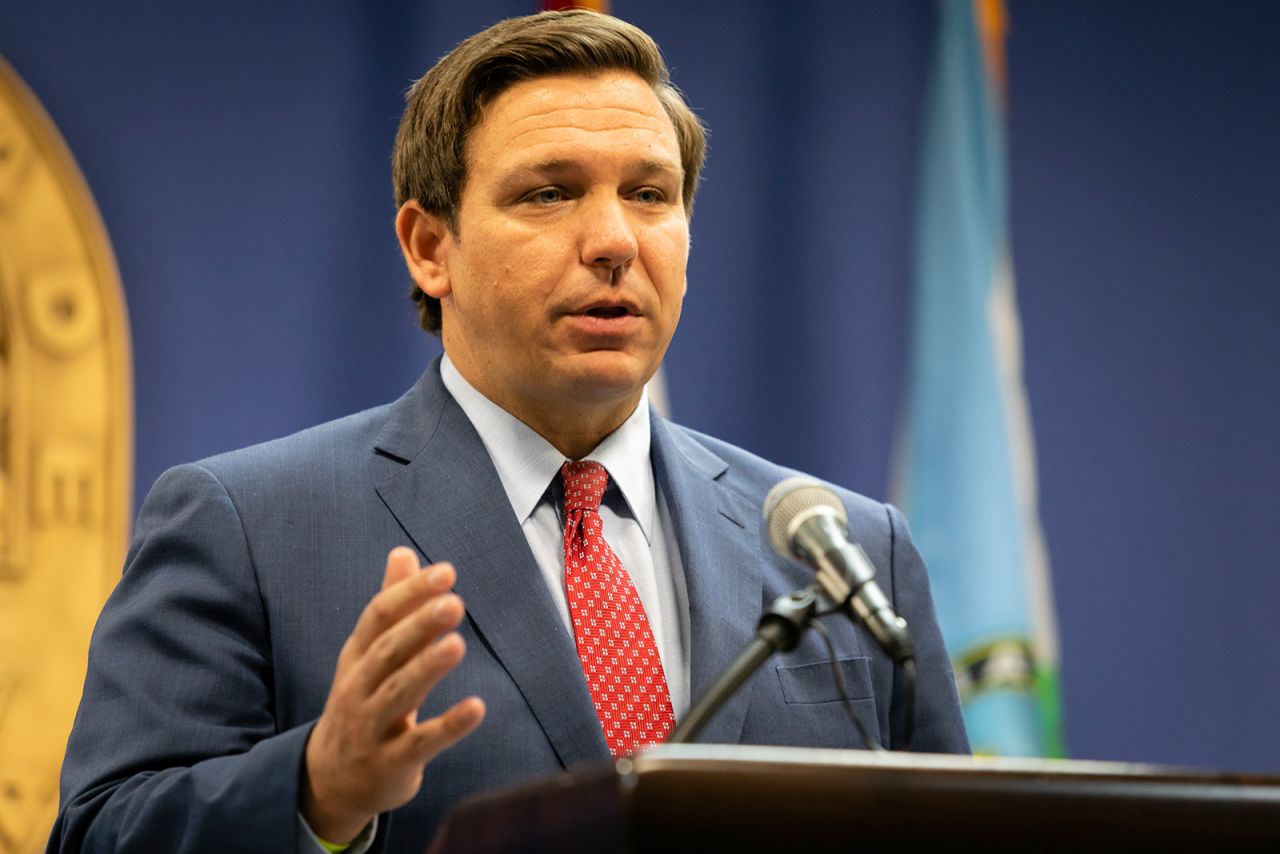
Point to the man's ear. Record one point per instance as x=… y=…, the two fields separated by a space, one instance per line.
x=425 y=241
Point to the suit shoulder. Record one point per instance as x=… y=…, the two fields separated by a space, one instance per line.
x=316 y=458
x=752 y=476
x=324 y=444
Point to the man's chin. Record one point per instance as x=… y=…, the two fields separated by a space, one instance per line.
x=607 y=375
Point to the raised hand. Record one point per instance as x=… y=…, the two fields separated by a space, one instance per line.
x=367 y=752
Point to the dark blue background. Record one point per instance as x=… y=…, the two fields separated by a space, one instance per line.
x=239 y=153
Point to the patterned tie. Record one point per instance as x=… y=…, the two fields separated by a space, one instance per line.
x=615 y=644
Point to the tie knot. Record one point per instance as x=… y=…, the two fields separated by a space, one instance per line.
x=584 y=485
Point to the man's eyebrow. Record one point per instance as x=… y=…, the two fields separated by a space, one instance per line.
x=649 y=167
x=561 y=166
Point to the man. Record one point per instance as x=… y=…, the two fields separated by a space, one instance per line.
x=545 y=172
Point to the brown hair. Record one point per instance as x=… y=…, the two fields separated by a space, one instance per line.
x=429 y=161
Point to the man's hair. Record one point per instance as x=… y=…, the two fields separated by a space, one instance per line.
x=429 y=162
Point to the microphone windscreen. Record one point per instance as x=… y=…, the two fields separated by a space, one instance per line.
x=788 y=500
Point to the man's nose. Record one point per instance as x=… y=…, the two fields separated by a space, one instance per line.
x=608 y=237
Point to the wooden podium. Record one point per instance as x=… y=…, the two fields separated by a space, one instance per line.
x=712 y=797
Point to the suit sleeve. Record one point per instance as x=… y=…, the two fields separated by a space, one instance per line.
x=175 y=746
x=939 y=724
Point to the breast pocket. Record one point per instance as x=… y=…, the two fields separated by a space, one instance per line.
x=816 y=683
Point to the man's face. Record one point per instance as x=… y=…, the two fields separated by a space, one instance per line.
x=563 y=286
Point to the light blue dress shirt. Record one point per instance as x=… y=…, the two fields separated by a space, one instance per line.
x=637 y=523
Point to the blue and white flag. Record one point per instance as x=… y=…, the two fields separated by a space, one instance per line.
x=967 y=467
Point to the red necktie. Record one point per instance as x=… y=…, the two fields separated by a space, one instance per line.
x=615 y=644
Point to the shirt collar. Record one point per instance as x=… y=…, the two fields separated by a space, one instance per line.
x=527 y=463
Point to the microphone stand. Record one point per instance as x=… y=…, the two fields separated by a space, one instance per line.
x=779 y=631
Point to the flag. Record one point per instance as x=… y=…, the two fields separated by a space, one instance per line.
x=967 y=477
x=561 y=5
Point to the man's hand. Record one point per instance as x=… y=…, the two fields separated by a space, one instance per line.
x=367 y=751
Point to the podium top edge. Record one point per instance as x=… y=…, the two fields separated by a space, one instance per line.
x=664 y=756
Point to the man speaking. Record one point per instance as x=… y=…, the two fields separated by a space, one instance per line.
x=324 y=641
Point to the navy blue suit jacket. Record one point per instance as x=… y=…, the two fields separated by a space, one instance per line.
x=213 y=657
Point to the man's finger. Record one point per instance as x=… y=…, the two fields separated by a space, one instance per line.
x=395 y=602
x=399 y=646
x=434 y=735
x=402 y=563
x=406 y=689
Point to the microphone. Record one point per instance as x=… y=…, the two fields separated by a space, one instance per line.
x=807 y=522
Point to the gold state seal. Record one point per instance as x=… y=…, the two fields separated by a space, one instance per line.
x=65 y=452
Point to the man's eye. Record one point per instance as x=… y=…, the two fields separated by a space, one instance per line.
x=649 y=196
x=546 y=196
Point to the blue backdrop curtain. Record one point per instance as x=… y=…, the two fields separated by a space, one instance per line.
x=239 y=153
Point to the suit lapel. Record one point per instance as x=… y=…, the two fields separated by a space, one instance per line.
x=450 y=501
x=720 y=555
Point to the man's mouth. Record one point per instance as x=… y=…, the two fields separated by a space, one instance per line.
x=607 y=311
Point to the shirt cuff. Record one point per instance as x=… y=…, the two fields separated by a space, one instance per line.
x=309 y=843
